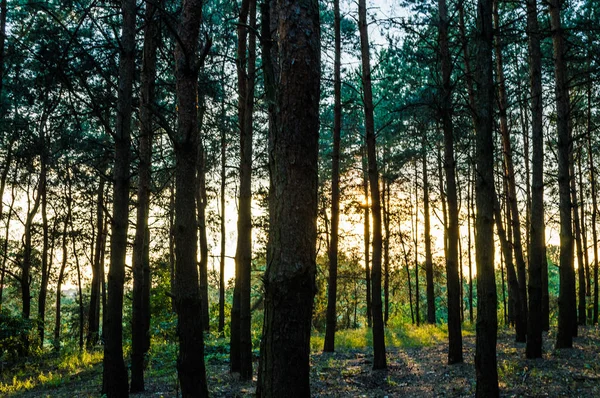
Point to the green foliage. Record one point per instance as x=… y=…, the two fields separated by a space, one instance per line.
x=15 y=335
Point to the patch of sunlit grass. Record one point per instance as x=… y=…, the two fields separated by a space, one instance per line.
x=77 y=361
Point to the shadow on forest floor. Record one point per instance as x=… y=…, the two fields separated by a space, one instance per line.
x=413 y=371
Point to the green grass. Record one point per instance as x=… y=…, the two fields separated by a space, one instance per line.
x=400 y=336
x=48 y=370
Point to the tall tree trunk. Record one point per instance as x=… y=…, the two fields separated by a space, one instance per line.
x=367 y=237
x=487 y=321
x=470 y=223
x=190 y=361
x=416 y=245
x=81 y=319
x=46 y=263
x=115 y=383
x=521 y=321
x=587 y=280
x=453 y=282
x=289 y=279
x=223 y=230
x=63 y=266
x=408 y=281
x=578 y=244
x=537 y=234
x=379 y=360
x=241 y=359
x=140 y=324
x=593 y=189
x=93 y=335
x=431 y=318
x=8 y=216
x=386 y=250
x=567 y=307
x=331 y=317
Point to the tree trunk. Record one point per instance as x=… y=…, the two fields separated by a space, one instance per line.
x=521 y=313
x=453 y=282
x=408 y=282
x=331 y=317
x=289 y=279
x=386 y=250
x=46 y=263
x=416 y=245
x=593 y=190
x=367 y=237
x=379 y=359
x=537 y=234
x=201 y=203
x=94 y=310
x=487 y=322
x=140 y=323
x=578 y=244
x=223 y=231
x=241 y=338
x=63 y=266
x=431 y=318
x=190 y=360
x=115 y=383
x=567 y=307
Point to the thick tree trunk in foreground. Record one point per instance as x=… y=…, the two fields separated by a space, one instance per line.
x=140 y=324
x=537 y=251
x=190 y=361
x=567 y=307
x=289 y=279
x=379 y=360
x=331 y=317
x=487 y=320
x=453 y=280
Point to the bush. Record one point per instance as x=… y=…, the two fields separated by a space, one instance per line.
x=14 y=335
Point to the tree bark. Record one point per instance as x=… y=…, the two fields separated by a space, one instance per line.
x=567 y=307
x=379 y=359
x=487 y=320
x=537 y=234
x=578 y=245
x=367 y=237
x=453 y=281
x=115 y=383
x=431 y=318
x=140 y=324
x=190 y=361
x=241 y=358
x=331 y=316
x=289 y=279
x=63 y=266
x=93 y=335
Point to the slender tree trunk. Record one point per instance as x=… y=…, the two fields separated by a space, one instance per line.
x=63 y=266
x=567 y=307
x=593 y=189
x=331 y=317
x=471 y=187
x=367 y=238
x=115 y=383
x=140 y=324
x=379 y=360
x=537 y=251
x=386 y=250
x=241 y=361
x=201 y=203
x=453 y=281
x=521 y=322
x=578 y=244
x=45 y=270
x=190 y=361
x=93 y=335
x=431 y=317
x=7 y=233
x=408 y=279
x=289 y=280
x=81 y=318
x=487 y=320
x=416 y=245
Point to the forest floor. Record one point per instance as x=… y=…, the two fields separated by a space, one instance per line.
x=416 y=368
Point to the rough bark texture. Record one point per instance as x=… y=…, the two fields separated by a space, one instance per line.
x=241 y=339
x=487 y=319
x=453 y=280
x=190 y=361
x=537 y=251
x=140 y=324
x=289 y=279
x=367 y=237
x=594 y=191
x=201 y=203
x=331 y=317
x=567 y=307
x=580 y=317
x=115 y=383
x=379 y=359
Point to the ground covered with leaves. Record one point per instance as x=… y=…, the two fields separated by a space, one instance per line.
x=416 y=367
